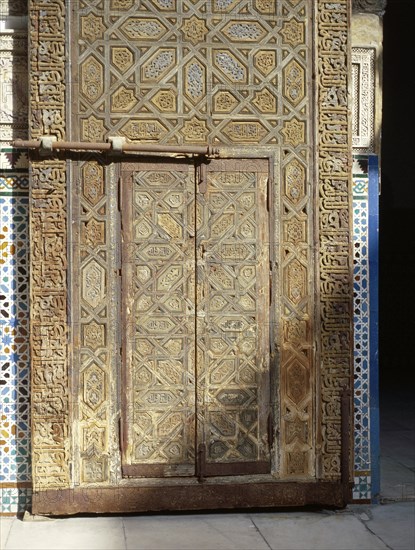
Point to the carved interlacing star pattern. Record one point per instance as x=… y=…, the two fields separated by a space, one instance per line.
x=159 y=305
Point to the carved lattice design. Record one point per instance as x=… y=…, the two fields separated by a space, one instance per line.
x=94 y=337
x=158 y=295
x=233 y=312
x=204 y=59
x=295 y=302
x=225 y=383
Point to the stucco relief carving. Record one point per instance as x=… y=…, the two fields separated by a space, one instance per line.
x=50 y=390
x=334 y=231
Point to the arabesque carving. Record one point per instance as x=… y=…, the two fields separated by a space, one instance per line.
x=334 y=154
x=50 y=384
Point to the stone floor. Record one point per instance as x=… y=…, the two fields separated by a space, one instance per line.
x=389 y=525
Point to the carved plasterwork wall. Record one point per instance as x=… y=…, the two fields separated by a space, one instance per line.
x=238 y=76
x=363 y=81
x=334 y=224
x=48 y=251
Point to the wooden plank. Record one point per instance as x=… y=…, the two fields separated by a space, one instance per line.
x=198 y=496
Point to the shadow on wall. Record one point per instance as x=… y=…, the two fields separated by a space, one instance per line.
x=397 y=201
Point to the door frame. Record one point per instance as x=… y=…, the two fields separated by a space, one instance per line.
x=236 y=159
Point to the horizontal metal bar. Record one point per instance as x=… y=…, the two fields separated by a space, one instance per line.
x=205 y=150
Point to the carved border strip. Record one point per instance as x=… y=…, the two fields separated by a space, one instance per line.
x=363 y=80
x=296 y=302
x=334 y=207
x=50 y=384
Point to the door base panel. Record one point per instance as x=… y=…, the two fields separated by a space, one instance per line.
x=203 y=496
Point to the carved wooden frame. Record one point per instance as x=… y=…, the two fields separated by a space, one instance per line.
x=61 y=484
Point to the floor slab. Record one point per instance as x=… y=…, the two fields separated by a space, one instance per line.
x=394 y=524
x=196 y=531
x=103 y=533
x=316 y=531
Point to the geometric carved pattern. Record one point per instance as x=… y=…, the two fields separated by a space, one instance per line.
x=240 y=108
x=169 y=382
x=158 y=272
x=298 y=453
x=294 y=82
x=237 y=57
x=93 y=333
x=233 y=312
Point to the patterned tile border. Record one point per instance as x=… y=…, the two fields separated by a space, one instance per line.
x=15 y=464
x=365 y=245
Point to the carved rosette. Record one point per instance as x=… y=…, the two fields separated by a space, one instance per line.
x=334 y=160
x=50 y=400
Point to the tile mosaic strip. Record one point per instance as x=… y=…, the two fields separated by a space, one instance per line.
x=15 y=500
x=361 y=334
x=14 y=341
x=362 y=487
x=363 y=202
x=14 y=175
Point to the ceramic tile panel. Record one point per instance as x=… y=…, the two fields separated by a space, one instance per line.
x=15 y=468
x=365 y=323
x=14 y=332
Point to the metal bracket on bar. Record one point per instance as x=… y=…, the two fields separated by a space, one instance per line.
x=46 y=145
x=117 y=144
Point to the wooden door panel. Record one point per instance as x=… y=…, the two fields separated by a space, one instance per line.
x=158 y=303
x=196 y=275
x=233 y=317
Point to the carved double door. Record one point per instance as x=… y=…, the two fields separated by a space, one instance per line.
x=196 y=312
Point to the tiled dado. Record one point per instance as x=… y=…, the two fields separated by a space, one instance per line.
x=15 y=491
x=366 y=428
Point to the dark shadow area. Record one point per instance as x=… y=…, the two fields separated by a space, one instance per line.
x=397 y=255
